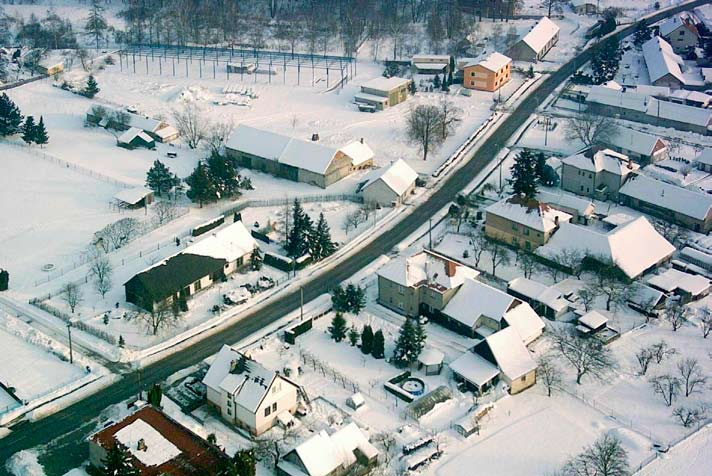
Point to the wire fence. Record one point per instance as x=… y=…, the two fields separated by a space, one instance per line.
x=274 y=202
x=327 y=371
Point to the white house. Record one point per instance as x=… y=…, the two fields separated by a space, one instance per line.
x=681 y=31
x=246 y=393
x=536 y=43
x=664 y=65
x=390 y=185
x=639 y=146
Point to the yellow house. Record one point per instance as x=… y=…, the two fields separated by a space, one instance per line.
x=489 y=74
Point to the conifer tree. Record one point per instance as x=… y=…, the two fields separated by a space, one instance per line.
x=155 y=394
x=96 y=24
x=436 y=81
x=412 y=88
x=160 y=179
x=256 y=259
x=321 y=244
x=92 y=87
x=524 y=177
x=10 y=117
x=355 y=299
x=201 y=186
x=408 y=345
x=353 y=336
x=338 y=327
x=366 y=339
x=379 y=345
x=420 y=336
x=28 y=130
x=117 y=463
x=300 y=233
x=244 y=463
x=224 y=175
x=41 y=136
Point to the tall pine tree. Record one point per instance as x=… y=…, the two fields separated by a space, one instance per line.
x=201 y=189
x=160 y=179
x=524 y=176
x=321 y=245
x=96 y=24
x=408 y=345
x=337 y=329
x=301 y=232
x=117 y=463
x=41 y=136
x=10 y=117
x=379 y=345
x=366 y=339
x=224 y=175
x=28 y=130
x=92 y=87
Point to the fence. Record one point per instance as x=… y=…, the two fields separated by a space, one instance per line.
x=22 y=82
x=273 y=202
x=74 y=323
x=326 y=371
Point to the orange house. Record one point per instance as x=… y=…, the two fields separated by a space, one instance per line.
x=489 y=74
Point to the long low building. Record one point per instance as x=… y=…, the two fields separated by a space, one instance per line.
x=114 y=118
x=672 y=203
x=296 y=159
x=536 y=43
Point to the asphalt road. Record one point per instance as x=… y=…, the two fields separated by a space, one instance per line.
x=63 y=434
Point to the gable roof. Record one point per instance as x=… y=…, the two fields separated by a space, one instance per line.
x=385 y=84
x=229 y=243
x=540 y=35
x=680 y=200
x=684 y=19
x=593 y=319
x=132 y=195
x=427 y=268
x=635 y=141
x=359 y=152
x=512 y=356
x=532 y=213
x=547 y=295
x=673 y=279
x=622 y=245
x=679 y=112
x=560 y=199
x=132 y=133
x=601 y=160
x=398 y=176
x=495 y=62
x=661 y=60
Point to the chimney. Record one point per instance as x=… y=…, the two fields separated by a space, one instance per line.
x=556 y=220
x=142 y=445
x=450 y=268
x=315 y=137
x=361 y=140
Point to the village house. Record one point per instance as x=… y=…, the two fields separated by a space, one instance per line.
x=430 y=64
x=596 y=173
x=669 y=202
x=638 y=146
x=132 y=198
x=580 y=209
x=119 y=119
x=478 y=310
x=296 y=159
x=135 y=137
x=156 y=445
x=420 y=284
x=681 y=31
x=688 y=287
x=178 y=277
x=704 y=160
x=500 y=357
x=382 y=93
x=594 y=323
x=523 y=223
x=345 y=451
x=536 y=43
x=546 y=301
x=490 y=74
x=690 y=98
x=388 y=186
x=664 y=65
x=247 y=394
x=644 y=299
x=584 y=7
x=620 y=245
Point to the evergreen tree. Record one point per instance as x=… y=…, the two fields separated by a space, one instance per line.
x=338 y=327
x=122 y=342
x=160 y=179
x=92 y=87
x=449 y=77
x=366 y=339
x=452 y=66
x=540 y=166
x=224 y=175
x=155 y=394
x=201 y=189
x=96 y=24
x=355 y=299
x=244 y=463
x=379 y=345
x=420 y=337
x=301 y=233
x=117 y=463
x=339 y=299
x=353 y=336
x=256 y=259
x=28 y=130
x=524 y=176
x=436 y=81
x=321 y=244
x=10 y=117
x=408 y=345
x=412 y=88
x=41 y=136
x=642 y=34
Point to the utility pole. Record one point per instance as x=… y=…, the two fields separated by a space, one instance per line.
x=301 y=303
x=69 y=334
x=546 y=129
x=430 y=233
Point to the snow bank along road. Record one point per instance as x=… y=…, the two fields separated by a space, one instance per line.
x=64 y=432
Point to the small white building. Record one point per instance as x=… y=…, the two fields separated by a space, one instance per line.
x=390 y=185
x=536 y=43
x=246 y=393
x=545 y=300
x=430 y=64
x=135 y=137
x=639 y=146
x=689 y=287
x=136 y=197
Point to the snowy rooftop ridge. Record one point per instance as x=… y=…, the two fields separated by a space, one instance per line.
x=386 y=84
x=427 y=268
x=495 y=61
x=541 y=34
x=398 y=176
x=532 y=213
x=685 y=19
x=601 y=160
x=636 y=141
x=230 y=243
x=132 y=195
x=661 y=60
x=680 y=200
x=146 y=443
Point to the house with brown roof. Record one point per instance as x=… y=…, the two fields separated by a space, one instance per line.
x=157 y=445
x=681 y=31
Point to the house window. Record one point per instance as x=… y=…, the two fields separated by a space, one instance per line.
x=524 y=378
x=229 y=412
x=528 y=245
x=514 y=227
x=198 y=286
x=401 y=290
x=274 y=407
x=268 y=410
x=526 y=231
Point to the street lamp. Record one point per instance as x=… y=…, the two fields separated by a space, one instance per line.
x=69 y=335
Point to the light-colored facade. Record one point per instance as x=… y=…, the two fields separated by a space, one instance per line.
x=383 y=93
x=388 y=186
x=488 y=75
x=536 y=44
x=681 y=32
x=596 y=174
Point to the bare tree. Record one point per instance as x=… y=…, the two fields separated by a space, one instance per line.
x=71 y=295
x=353 y=219
x=644 y=357
x=606 y=457
x=689 y=416
x=191 y=123
x=676 y=313
x=691 y=375
x=162 y=316
x=587 y=356
x=549 y=373
x=479 y=242
x=667 y=387
x=101 y=270
x=705 y=322
x=450 y=116
x=270 y=447
x=590 y=129
x=553 y=270
x=571 y=259
x=527 y=263
x=661 y=350
x=386 y=441
x=115 y=235
x=616 y=291
x=219 y=132
x=670 y=231
x=424 y=127
x=587 y=296
x=164 y=211
x=499 y=255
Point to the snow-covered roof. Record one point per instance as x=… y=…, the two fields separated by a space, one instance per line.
x=624 y=99
x=569 y=201
x=134 y=120
x=430 y=58
x=679 y=112
x=705 y=156
x=617 y=219
x=166 y=131
x=385 y=84
x=475 y=299
x=512 y=356
x=398 y=176
x=359 y=152
x=661 y=60
x=132 y=195
x=541 y=34
x=430 y=356
x=427 y=268
x=680 y=200
x=602 y=160
x=247 y=388
x=531 y=214
x=635 y=141
x=681 y=19
x=257 y=142
x=578 y=3
x=696 y=255
x=133 y=132
x=230 y=243
x=157 y=450
x=322 y=454
x=495 y=62
x=537 y=291
x=692 y=96
x=308 y=155
x=593 y=319
x=526 y=321
x=673 y=279
x=370 y=97
x=643 y=295
x=474 y=368
x=622 y=245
